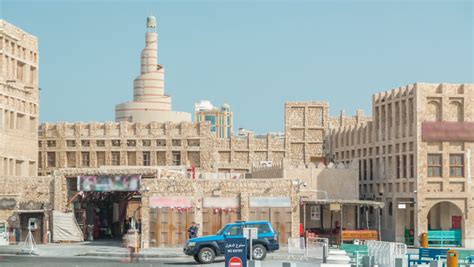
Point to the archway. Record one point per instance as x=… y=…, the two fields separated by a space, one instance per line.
x=445 y=224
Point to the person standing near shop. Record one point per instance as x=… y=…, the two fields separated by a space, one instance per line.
x=192 y=230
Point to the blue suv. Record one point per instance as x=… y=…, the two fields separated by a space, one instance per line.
x=205 y=249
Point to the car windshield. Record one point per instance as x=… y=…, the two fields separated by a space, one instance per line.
x=221 y=231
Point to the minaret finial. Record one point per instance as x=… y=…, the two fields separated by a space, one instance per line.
x=151 y=22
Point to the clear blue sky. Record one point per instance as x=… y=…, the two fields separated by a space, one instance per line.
x=254 y=55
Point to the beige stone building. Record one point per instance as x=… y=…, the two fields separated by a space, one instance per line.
x=19 y=100
x=415 y=155
x=170 y=202
x=66 y=145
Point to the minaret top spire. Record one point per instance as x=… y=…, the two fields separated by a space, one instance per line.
x=151 y=22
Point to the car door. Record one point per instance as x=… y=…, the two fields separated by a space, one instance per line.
x=232 y=231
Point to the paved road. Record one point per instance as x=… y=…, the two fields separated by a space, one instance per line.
x=27 y=261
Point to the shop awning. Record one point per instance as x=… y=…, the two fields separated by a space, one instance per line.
x=354 y=202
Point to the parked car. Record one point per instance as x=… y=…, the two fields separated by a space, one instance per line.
x=205 y=249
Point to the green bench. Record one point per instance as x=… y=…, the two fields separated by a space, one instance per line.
x=355 y=252
x=445 y=238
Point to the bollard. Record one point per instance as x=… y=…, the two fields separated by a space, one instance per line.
x=452 y=258
x=288 y=264
x=254 y=263
x=424 y=240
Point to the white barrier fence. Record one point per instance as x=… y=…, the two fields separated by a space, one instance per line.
x=310 y=249
x=385 y=253
x=296 y=247
x=317 y=248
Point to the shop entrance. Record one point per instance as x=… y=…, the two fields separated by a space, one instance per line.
x=107 y=215
x=105 y=207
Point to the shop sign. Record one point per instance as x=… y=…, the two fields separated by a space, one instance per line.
x=7 y=203
x=315 y=213
x=334 y=206
x=235 y=252
x=221 y=202
x=270 y=202
x=108 y=183
x=402 y=205
x=169 y=202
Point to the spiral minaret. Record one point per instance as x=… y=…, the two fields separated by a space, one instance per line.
x=149 y=100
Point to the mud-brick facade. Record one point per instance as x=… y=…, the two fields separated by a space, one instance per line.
x=159 y=183
x=22 y=198
x=19 y=100
x=70 y=145
x=416 y=156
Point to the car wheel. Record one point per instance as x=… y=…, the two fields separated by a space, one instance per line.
x=259 y=252
x=206 y=255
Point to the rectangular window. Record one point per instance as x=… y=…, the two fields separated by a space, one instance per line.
x=404 y=158
x=176 y=158
x=412 y=166
x=371 y=169
x=193 y=142
x=397 y=159
x=456 y=165
x=85 y=143
x=146 y=158
x=85 y=159
x=51 y=159
x=131 y=142
x=132 y=158
x=161 y=142
x=146 y=142
x=100 y=158
x=71 y=159
x=115 y=158
x=434 y=165
x=365 y=169
x=360 y=170
x=70 y=143
x=115 y=142
x=32 y=124
x=51 y=143
x=100 y=143
x=176 y=142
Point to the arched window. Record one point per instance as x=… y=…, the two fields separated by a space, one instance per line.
x=457 y=111
x=434 y=111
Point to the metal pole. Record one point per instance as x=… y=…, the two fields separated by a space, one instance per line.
x=250 y=238
x=367 y=217
x=379 y=217
x=340 y=225
x=357 y=217
x=304 y=219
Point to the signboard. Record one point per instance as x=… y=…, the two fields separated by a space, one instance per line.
x=402 y=205
x=235 y=252
x=108 y=183
x=7 y=203
x=270 y=202
x=334 y=206
x=221 y=202
x=251 y=233
x=315 y=213
x=170 y=202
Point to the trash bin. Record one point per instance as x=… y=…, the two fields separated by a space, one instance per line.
x=424 y=240
x=452 y=258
